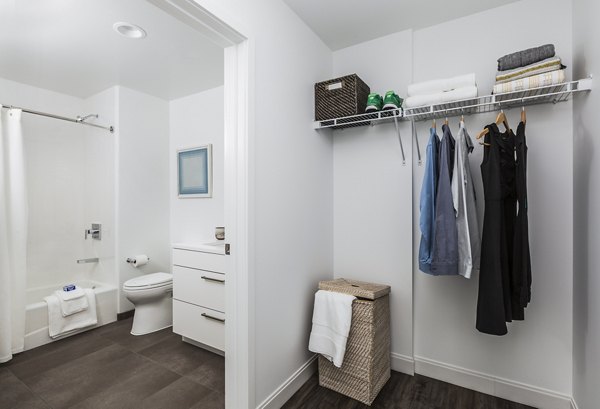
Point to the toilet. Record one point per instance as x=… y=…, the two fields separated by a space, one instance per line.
x=152 y=296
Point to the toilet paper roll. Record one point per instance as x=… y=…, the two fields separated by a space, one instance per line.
x=139 y=260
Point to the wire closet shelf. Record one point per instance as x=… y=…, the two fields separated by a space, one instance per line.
x=488 y=103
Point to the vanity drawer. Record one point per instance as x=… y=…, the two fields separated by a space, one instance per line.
x=203 y=288
x=197 y=259
x=199 y=324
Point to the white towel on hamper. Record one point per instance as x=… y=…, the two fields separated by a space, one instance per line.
x=73 y=301
x=332 y=317
x=59 y=326
x=441 y=97
x=442 y=85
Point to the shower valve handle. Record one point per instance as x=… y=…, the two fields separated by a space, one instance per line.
x=95 y=232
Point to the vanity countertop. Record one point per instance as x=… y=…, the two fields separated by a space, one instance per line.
x=214 y=247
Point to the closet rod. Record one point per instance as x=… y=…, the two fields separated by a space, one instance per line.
x=78 y=120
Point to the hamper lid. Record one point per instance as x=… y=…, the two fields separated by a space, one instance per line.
x=359 y=289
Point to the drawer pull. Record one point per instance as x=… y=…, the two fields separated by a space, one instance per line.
x=210 y=317
x=216 y=280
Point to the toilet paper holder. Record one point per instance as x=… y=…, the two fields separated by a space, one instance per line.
x=131 y=260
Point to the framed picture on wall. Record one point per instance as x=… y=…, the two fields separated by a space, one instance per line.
x=194 y=166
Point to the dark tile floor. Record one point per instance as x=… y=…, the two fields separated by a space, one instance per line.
x=110 y=368
x=401 y=392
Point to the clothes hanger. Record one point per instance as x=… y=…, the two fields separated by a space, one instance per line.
x=523 y=115
x=433 y=124
x=446 y=120
x=500 y=119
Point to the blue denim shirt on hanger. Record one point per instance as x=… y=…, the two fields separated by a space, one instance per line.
x=427 y=202
x=445 y=238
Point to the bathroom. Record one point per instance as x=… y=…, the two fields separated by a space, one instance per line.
x=104 y=186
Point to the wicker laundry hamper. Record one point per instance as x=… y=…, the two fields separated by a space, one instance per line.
x=366 y=366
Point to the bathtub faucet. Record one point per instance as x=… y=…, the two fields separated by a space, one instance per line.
x=88 y=260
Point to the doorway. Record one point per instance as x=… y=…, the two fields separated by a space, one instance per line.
x=239 y=340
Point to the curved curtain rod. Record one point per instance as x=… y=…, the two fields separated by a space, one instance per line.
x=78 y=120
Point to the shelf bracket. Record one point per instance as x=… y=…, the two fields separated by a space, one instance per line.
x=414 y=132
x=400 y=140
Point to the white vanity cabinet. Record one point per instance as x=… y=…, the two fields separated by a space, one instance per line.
x=199 y=293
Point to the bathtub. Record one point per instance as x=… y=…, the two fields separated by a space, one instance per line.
x=36 y=315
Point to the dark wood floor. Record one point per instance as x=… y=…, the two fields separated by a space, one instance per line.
x=401 y=392
x=110 y=368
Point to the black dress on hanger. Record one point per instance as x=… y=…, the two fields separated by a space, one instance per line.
x=522 y=258
x=495 y=304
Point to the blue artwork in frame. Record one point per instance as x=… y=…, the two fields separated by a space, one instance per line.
x=194 y=167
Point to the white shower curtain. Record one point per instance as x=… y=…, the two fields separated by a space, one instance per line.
x=13 y=235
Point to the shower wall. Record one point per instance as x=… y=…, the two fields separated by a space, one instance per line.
x=99 y=189
x=60 y=160
x=79 y=175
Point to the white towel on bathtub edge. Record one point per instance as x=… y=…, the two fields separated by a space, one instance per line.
x=72 y=304
x=71 y=295
x=60 y=326
x=332 y=317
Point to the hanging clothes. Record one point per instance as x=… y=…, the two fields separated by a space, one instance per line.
x=505 y=262
x=498 y=173
x=465 y=206
x=427 y=202
x=445 y=238
x=522 y=257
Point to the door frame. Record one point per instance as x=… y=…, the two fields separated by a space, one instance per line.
x=212 y=20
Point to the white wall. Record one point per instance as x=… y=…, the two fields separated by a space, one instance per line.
x=54 y=153
x=291 y=184
x=373 y=190
x=376 y=231
x=586 y=202
x=293 y=190
x=194 y=121
x=99 y=189
x=537 y=351
x=143 y=185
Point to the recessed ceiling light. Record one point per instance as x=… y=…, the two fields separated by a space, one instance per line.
x=129 y=30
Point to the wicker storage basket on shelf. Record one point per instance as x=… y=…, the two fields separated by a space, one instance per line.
x=366 y=366
x=340 y=97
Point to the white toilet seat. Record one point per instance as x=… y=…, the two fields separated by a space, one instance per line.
x=149 y=281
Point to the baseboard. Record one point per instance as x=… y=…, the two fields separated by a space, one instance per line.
x=403 y=363
x=124 y=315
x=574 y=404
x=491 y=385
x=203 y=346
x=287 y=389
